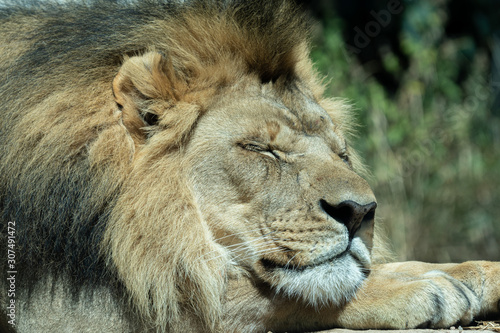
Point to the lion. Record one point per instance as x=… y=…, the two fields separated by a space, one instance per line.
x=173 y=166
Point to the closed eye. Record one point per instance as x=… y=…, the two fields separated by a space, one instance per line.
x=272 y=153
x=345 y=157
x=261 y=149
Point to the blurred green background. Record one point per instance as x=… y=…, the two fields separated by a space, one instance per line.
x=424 y=78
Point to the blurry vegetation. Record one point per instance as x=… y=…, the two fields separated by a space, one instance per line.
x=426 y=86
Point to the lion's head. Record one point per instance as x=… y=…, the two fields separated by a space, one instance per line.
x=226 y=161
x=251 y=168
x=272 y=177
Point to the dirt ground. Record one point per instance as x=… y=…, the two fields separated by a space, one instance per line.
x=480 y=326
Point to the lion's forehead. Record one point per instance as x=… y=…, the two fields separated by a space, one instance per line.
x=296 y=99
x=280 y=118
x=297 y=116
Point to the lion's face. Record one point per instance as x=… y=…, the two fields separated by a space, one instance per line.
x=273 y=180
x=246 y=178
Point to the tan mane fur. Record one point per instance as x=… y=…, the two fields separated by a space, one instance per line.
x=154 y=241
x=172 y=166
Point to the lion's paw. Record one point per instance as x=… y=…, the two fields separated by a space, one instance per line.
x=443 y=301
x=421 y=295
x=400 y=301
x=490 y=287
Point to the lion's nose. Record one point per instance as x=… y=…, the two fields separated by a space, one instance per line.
x=350 y=213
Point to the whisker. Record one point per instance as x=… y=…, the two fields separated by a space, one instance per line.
x=237 y=233
x=288 y=263
x=238 y=247
x=260 y=251
x=257 y=253
x=241 y=244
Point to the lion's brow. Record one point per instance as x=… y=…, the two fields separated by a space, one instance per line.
x=290 y=115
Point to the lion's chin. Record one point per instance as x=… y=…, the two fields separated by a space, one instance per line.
x=330 y=283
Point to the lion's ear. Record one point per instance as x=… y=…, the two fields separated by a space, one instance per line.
x=143 y=87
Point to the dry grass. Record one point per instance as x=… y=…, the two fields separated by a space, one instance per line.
x=432 y=144
x=485 y=326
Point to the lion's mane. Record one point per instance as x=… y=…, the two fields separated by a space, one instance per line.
x=91 y=202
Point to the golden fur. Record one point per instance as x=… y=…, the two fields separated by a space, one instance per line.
x=179 y=164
